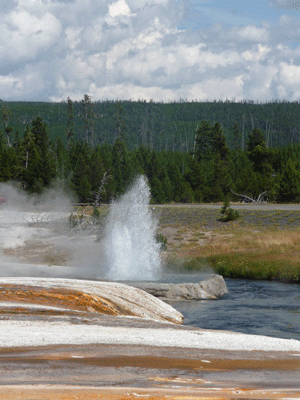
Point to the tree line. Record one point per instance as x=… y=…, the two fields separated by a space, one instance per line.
x=211 y=172
x=160 y=126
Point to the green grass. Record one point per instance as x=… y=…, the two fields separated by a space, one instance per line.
x=270 y=266
x=262 y=244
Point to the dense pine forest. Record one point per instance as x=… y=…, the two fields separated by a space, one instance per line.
x=190 y=151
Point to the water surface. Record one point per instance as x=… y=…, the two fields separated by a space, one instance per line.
x=253 y=307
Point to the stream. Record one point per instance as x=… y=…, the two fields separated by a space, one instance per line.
x=253 y=307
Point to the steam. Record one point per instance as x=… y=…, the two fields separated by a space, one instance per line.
x=53 y=199
x=24 y=218
x=127 y=249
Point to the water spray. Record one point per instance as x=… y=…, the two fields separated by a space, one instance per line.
x=131 y=251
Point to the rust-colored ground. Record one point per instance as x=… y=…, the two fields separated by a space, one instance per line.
x=80 y=393
x=127 y=372
x=66 y=298
x=90 y=372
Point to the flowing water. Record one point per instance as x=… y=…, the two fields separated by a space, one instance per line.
x=253 y=307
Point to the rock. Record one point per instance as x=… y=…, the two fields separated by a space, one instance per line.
x=88 y=296
x=211 y=288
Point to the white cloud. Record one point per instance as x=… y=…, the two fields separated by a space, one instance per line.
x=119 y=8
x=216 y=88
x=285 y=20
x=136 y=4
x=51 y=49
x=131 y=91
x=23 y=34
x=250 y=33
x=290 y=74
x=73 y=37
x=260 y=82
x=256 y=54
x=22 y=86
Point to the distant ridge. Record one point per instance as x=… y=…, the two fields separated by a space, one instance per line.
x=163 y=126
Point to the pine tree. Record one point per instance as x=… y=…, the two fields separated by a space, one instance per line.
x=70 y=122
x=47 y=170
x=6 y=113
x=236 y=141
x=256 y=138
x=30 y=161
x=88 y=117
x=289 y=184
x=210 y=141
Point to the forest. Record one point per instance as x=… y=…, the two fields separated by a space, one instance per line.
x=190 y=152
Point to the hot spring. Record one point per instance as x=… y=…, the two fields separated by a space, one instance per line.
x=127 y=249
x=130 y=249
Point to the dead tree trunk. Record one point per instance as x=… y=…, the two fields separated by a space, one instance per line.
x=248 y=199
x=101 y=189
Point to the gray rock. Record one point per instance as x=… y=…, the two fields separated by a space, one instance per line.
x=211 y=288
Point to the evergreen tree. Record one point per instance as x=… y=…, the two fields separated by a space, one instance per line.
x=203 y=141
x=8 y=169
x=81 y=176
x=197 y=178
x=157 y=191
x=236 y=141
x=210 y=141
x=289 y=184
x=88 y=116
x=219 y=146
x=6 y=113
x=120 y=124
x=70 y=121
x=256 y=138
x=47 y=163
x=62 y=161
x=30 y=162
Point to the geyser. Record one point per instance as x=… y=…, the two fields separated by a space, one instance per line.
x=131 y=251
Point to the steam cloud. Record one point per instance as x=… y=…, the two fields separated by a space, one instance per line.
x=126 y=251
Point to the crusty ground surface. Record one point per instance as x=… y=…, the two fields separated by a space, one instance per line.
x=112 y=393
x=131 y=372
x=115 y=370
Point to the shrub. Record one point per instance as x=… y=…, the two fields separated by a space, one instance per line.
x=162 y=240
x=228 y=213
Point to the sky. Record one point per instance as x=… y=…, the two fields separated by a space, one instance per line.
x=153 y=50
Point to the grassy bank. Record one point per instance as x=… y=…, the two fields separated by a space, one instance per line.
x=260 y=245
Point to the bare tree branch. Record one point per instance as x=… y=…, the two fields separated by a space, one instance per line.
x=97 y=195
x=249 y=199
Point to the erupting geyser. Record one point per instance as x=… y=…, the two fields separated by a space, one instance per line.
x=131 y=251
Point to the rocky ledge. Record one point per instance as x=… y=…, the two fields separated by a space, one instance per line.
x=80 y=296
x=211 y=288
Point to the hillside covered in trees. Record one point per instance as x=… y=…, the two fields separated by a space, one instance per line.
x=160 y=126
x=195 y=162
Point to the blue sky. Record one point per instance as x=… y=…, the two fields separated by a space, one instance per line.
x=243 y=12
x=161 y=50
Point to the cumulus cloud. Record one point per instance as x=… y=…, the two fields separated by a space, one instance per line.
x=120 y=7
x=23 y=35
x=250 y=33
x=138 y=49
